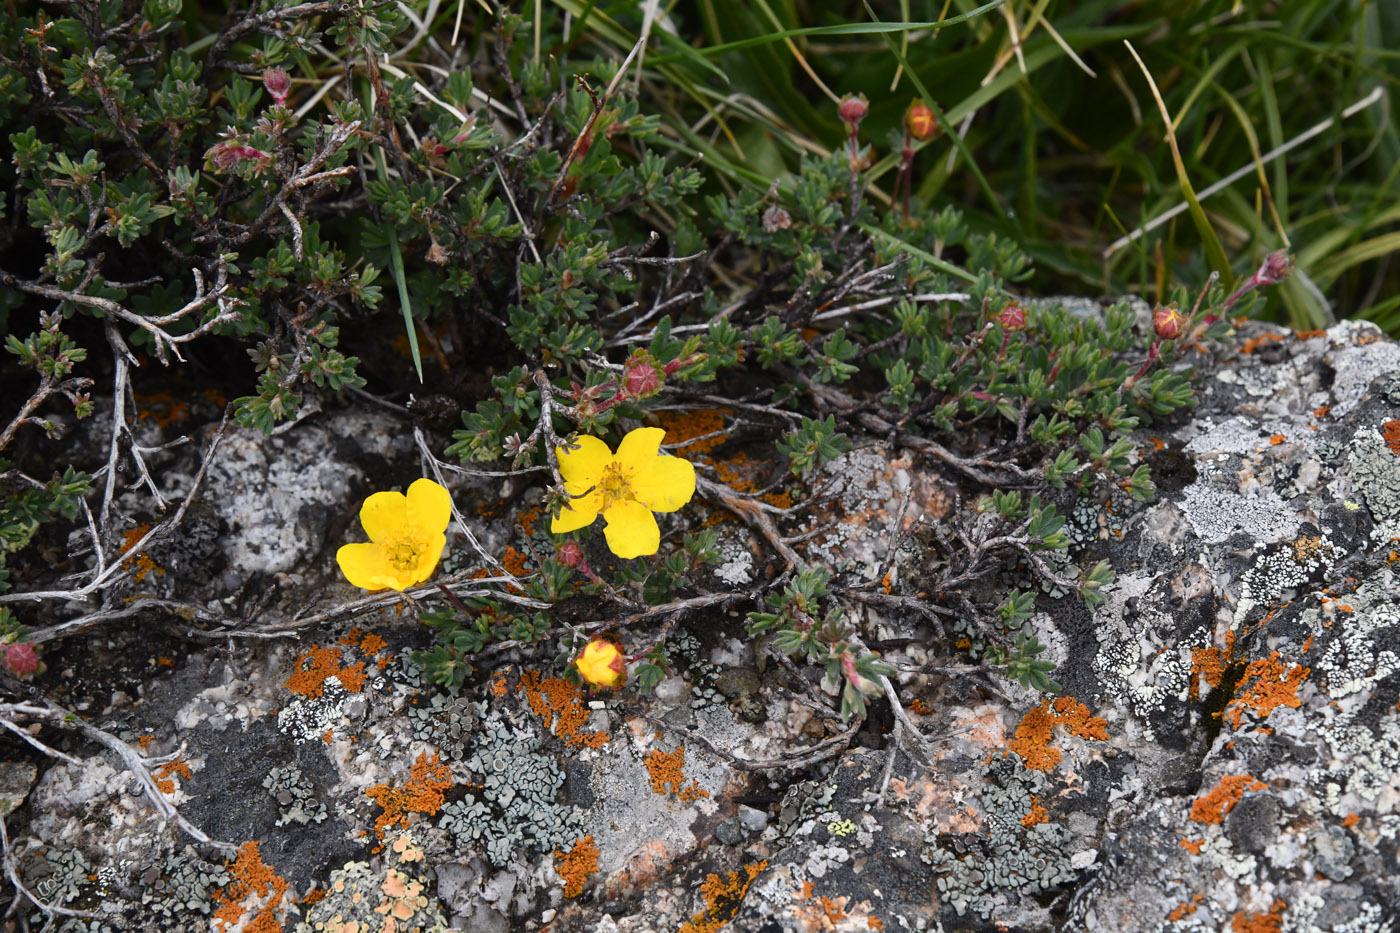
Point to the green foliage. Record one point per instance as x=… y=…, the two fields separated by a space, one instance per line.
x=813 y=444
x=1019 y=664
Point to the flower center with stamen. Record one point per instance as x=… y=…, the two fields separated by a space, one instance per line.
x=615 y=484
x=403 y=551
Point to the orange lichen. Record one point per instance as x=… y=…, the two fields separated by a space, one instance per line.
x=161 y=407
x=1269 y=921
x=1310 y=334
x=252 y=886
x=1351 y=819
x=1037 y=815
x=723 y=896
x=498 y=684
x=1208 y=665
x=164 y=782
x=422 y=793
x=834 y=910
x=528 y=519
x=145 y=740
x=514 y=561
x=1192 y=845
x=1075 y=717
x=1390 y=432
x=1267 y=684
x=351 y=638
x=315 y=664
x=874 y=923
x=1321 y=412
x=1032 y=741
x=371 y=645
x=165 y=662
x=682 y=426
x=1185 y=908
x=1036 y=729
x=667 y=773
x=576 y=865
x=1254 y=343
x=1276 y=439
x=1212 y=807
x=559 y=704
x=315 y=896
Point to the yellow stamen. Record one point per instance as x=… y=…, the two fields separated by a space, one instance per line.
x=615 y=484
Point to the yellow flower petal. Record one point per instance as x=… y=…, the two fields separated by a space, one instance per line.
x=665 y=485
x=639 y=448
x=579 y=513
x=363 y=565
x=582 y=466
x=383 y=514
x=428 y=559
x=429 y=506
x=631 y=530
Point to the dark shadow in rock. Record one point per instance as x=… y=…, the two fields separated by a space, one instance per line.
x=228 y=800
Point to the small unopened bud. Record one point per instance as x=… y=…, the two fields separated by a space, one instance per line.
x=852 y=109
x=1277 y=266
x=920 y=121
x=22 y=660
x=775 y=219
x=227 y=154
x=278 y=84
x=640 y=376
x=1012 y=318
x=570 y=555
x=601 y=663
x=1167 y=322
x=680 y=363
x=858 y=680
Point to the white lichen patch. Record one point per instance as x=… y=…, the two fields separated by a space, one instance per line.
x=1216 y=509
x=1358 y=364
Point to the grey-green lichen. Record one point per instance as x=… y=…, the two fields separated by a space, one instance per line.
x=296 y=797
x=804 y=801
x=181 y=884
x=1013 y=861
x=447 y=724
x=517 y=807
x=1375 y=473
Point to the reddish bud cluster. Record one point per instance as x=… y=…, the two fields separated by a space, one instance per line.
x=852 y=109
x=1012 y=318
x=1167 y=322
x=227 y=154
x=1277 y=266
x=278 y=84
x=22 y=660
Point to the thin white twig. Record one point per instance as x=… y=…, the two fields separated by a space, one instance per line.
x=433 y=465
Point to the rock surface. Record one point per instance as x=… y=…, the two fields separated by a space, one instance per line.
x=1225 y=755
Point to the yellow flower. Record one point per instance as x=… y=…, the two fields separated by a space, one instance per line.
x=625 y=488
x=601 y=663
x=406 y=538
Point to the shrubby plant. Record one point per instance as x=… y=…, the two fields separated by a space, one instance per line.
x=192 y=190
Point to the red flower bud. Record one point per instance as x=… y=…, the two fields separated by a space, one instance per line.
x=920 y=121
x=570 y=555
x=278 y=84
x=1277 y=266
x=22 y=660
x=1167 y=322
x=1012 y=318
x=852 y=109
x=640 y=376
